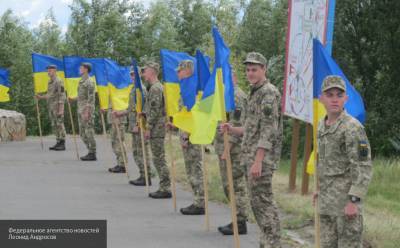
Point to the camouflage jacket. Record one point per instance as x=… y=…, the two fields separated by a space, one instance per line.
x=155 y=112
x=132 y=114
x=55 y=94
x=262 y=125
x=86 y=95
x=344 y=163
x=236 y=118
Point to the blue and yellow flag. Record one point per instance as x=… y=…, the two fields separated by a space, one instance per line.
x=139 y=96
x=324 y=65
x=203 y=70
x=218 y=96
x=39 y=68
x=170 y=61
x=119 y=85
x=5 y=85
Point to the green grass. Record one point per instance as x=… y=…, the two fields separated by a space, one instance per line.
x=382 y=206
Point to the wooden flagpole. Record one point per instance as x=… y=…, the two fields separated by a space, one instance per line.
x=173 y=170
x=122 y=144
x=205 y=182
x=144 y=150
x=39 y=123
x=73 y=129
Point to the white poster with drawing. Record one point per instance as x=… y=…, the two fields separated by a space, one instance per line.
x=307 y=20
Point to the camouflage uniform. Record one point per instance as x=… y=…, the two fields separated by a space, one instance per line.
x=194 y=169
x=263 y=129
x=86 y=98
x=344 y=170
x=155 y=118
x=119 y=123
x=136 y=137
x=56 y=96
x=236 y=118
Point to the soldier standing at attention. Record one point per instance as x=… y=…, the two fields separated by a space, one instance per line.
x=55 y=102
x=261 y=147
x=236 y=118
x=134 y=128
x=344 y=169
x=86 y=101
x=154 y=112
x=117 y=121
x=191 y=155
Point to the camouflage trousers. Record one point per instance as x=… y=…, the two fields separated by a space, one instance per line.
x=239 y=182
x=158 y=151
x=194 y=171
x=138 y=153
x=339 y=231
x=86 y=131
x=118 y=148
x=264 y=207
x=57 y=123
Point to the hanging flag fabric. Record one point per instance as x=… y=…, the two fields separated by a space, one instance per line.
x=139 y=96
x=170 y=61
x=203 y=70
x=119 y=85
x=217 y=98
x=324 y=65
x=39 y=69
x=72 y=75
x=5 y=85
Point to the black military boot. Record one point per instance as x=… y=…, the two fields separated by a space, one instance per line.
x=60 y=146
x=141 y=181
x=228 y=229
x=117 y=169
x=54 y=147
x=192 y=210
x=91 y=156
x=160 y=194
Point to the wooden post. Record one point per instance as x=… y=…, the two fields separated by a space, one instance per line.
x=73 y=129
x=144 y=149
x=293 y=154
x=205 y=182
x=116 y=125
x=39 y=123
x=307 y=152
x=104 y=125
x=173 y=170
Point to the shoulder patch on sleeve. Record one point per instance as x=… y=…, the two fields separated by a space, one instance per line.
x=363 y=149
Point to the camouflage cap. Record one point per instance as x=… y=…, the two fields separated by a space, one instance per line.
x=333 y=82
x=51 y=67
x=185 y=64
x=255 y=58
x=153 y=65
x=87 y=65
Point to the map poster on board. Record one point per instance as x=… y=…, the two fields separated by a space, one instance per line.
x=307 y=20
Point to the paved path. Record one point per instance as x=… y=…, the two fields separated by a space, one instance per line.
x=36 y=184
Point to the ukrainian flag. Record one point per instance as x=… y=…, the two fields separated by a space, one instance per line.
x=72 y=75
x=324 y=65
x=139 y=96
x=218 y=96
x=40 y=77
x=170 y=61
x=5 y=85
x=119 y=85
x=203 y=71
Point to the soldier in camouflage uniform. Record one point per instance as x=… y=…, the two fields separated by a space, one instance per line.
x=86 y=101
x=134 y=128
x=344 y=169
x=236 y=118
x=261 y=147
x=117 y=119
x=154 y=112
x=191 y=155
x=55 y=101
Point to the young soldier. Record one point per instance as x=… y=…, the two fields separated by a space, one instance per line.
x=155 y=128
x=236 y=118
x=191 y=155
x=55 y=102
x=261 y=146
x=344 y=169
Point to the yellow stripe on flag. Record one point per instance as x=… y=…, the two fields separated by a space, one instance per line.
x=172 y=94
x=119 y=97
x=4 y=97
x=104 y=96
x=41 y=80
x=71 y=87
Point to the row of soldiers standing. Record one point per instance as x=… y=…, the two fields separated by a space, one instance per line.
x=255 y=132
